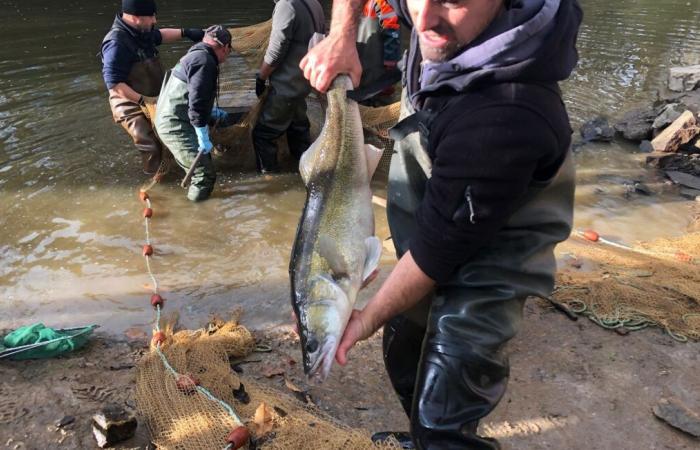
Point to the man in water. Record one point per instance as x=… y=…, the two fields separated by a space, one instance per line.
x=480 y=191
x=133 y=73
x=284 y=108
x=186 y=107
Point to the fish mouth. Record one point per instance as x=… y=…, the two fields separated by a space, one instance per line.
x=322 y=360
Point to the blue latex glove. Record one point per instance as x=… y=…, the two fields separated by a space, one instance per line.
x=203 y=139
x=219 y=114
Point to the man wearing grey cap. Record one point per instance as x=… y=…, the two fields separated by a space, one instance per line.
x=186 y=106
x=133 y=74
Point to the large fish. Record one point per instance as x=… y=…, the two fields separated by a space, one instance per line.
x=335 y=250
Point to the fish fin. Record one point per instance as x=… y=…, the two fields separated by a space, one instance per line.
x=374 y=155
x=334 y=287
x=306 y=162
x=329 y=251
x=373 y=247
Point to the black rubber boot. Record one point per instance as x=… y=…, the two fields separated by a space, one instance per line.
x=299 y=138
x=402 y=343
x=266 y=148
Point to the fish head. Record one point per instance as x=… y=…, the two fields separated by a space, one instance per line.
x=322 y=322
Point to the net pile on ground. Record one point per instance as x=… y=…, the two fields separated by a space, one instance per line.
x=651 y=284
x=180 y=418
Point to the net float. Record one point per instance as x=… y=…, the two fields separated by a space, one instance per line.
x=148 y=213
x=143 y=195
x=158 y=338
x=591 y=235
x=157 y=301
x=238 y=437
x=147 y=250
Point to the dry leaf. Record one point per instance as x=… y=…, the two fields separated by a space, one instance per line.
x=263 y=420
x=291 y=386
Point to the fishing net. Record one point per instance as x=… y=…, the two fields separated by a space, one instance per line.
x=235 y=142
x=181 y=418
x=251 y=42
x=652 y=284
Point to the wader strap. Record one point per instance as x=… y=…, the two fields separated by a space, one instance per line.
x=321 y=30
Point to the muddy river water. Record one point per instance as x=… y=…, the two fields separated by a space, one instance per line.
x=70 y=222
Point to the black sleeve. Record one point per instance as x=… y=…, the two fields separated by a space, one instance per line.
x=201 y=74
x=483 y=164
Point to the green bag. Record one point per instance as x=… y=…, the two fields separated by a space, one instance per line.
x=38 y=341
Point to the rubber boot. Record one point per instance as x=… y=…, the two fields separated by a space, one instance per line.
x=266 y=148
x=299 y=138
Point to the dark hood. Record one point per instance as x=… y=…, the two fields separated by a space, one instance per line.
x=530 y=41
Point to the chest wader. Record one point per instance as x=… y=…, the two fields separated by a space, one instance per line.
x=177 y=133
x=444 y=357
x=145 y=78
x=284 y=108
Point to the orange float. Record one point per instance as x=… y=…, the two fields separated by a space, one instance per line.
x=147 y=250
x=148 y=213
x=591 y=235
x=238 y=437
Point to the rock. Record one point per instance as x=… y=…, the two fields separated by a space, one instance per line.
x=682 y=79
x=65 y=421
x=597 y=129
x=636 y=125
x=646 y=146
x=656 y=159
x=691 y=194
x=684 y=179
x=676 y=414
x=680 y=132
x=113 y=424
x=668 y=115
x=641 y=188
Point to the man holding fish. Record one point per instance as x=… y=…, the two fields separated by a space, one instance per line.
x=480 y=191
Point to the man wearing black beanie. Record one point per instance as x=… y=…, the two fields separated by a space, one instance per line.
x=133 y=73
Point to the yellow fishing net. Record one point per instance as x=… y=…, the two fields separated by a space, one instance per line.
x=654 y=284
x=181 y=418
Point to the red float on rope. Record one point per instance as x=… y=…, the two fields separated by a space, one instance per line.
x=143 y=195
x=591 y=235
x=238 y=437
x=148 y=213
x=158 y=338
x=157 y=300
x=147 y=250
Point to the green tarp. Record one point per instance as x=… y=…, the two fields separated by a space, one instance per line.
x=38 y=341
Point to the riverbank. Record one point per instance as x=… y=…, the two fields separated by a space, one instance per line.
x=571 y=384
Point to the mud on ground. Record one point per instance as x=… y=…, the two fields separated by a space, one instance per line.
x=573 y=386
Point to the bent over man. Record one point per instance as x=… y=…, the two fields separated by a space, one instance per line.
x=284 y=110
x=133 y=73
x=480 y=191
x=186 y=106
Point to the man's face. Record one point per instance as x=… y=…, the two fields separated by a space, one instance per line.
x=145 y=23
x=446 y=26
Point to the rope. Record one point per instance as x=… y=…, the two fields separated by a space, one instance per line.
x=158 y=312
x=614 y=322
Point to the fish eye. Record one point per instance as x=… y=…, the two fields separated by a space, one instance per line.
x=311 y=345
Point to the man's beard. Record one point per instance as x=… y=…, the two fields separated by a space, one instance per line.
x=438 y=54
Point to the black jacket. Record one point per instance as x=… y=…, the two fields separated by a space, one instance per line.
x=199 y=68
x=491 y=132
x=122 y=47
